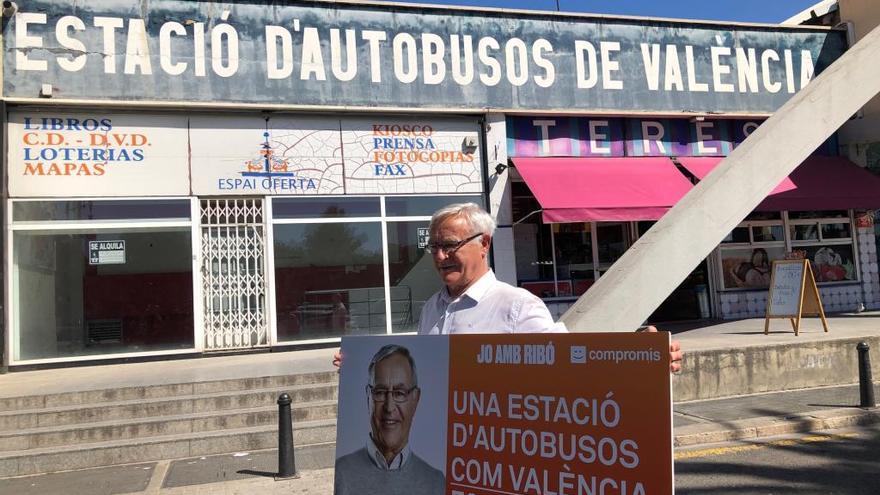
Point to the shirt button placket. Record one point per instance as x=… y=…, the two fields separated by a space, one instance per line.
x=449 y=317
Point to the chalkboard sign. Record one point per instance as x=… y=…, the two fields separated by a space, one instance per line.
x=793 y=294
x=786 y=288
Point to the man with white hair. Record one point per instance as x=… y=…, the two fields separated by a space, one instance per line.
x=474 y=301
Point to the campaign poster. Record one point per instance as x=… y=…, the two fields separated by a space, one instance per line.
x=537 y=414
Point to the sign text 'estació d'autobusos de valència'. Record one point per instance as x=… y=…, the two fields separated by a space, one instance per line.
x=344 y=54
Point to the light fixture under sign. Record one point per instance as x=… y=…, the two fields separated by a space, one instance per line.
x=469 y=144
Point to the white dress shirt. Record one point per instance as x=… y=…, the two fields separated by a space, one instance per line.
x=487 y=306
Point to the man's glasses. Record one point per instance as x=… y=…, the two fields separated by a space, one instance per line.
x=449 y=247
x=398 y=395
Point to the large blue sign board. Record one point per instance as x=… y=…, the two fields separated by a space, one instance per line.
x=381 y=56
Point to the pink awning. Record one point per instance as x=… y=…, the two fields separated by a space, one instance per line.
x=819 y=183
x=603 y=189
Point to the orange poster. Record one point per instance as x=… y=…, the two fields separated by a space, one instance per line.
x=540 y=414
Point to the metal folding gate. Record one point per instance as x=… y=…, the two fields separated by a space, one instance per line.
x=233 y=273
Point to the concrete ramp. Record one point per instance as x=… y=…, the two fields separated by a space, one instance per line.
x=77 y=418
x=737 y=363
x=638 y=282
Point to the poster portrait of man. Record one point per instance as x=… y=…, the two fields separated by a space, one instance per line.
x=400 y=403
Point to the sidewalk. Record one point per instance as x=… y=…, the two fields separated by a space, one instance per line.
x=764 y=415
x=172 y=371
x=710 y=334
x=711 y=348
x=695 y=337
x=695 y=423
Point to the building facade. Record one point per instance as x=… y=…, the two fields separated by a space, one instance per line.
x=191 y=177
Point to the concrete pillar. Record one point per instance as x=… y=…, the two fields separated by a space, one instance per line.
x=499 y=198
x=654 y=266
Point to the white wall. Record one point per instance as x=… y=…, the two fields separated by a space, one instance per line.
x=500 y=204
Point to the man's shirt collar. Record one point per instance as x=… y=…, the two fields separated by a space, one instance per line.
x=378 y=459
x=476 y=291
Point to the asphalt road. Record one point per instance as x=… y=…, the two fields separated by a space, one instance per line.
x=844 y=462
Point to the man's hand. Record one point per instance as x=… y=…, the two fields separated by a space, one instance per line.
x=675 y=353
x=337 y=359
x=675 y=356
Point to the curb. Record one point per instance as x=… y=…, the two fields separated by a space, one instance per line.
x=769 y=426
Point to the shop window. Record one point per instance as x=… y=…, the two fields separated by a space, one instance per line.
x=40 y=211
x=811 y=215
x=737 y=235
x=83 y=289
x=325 y=207
x=612 y=242
x=561 y=260
x=767 y=233
x=411 y=273
x=827 y=241
x=524 y=205
x=749 y=267
x=533 y=245
x=691 y=299
x=329 y=269
x=747 y=253
x=757 y=216
x=574 y=257
x=823 y=237
x=401 y=206
x=328 y=280
x=836 y=231
x=808 y=232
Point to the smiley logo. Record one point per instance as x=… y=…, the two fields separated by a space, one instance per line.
x=578 y=354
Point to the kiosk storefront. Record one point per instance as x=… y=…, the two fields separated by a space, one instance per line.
x=587 y=188
x=185 y=177
x=151 y=233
